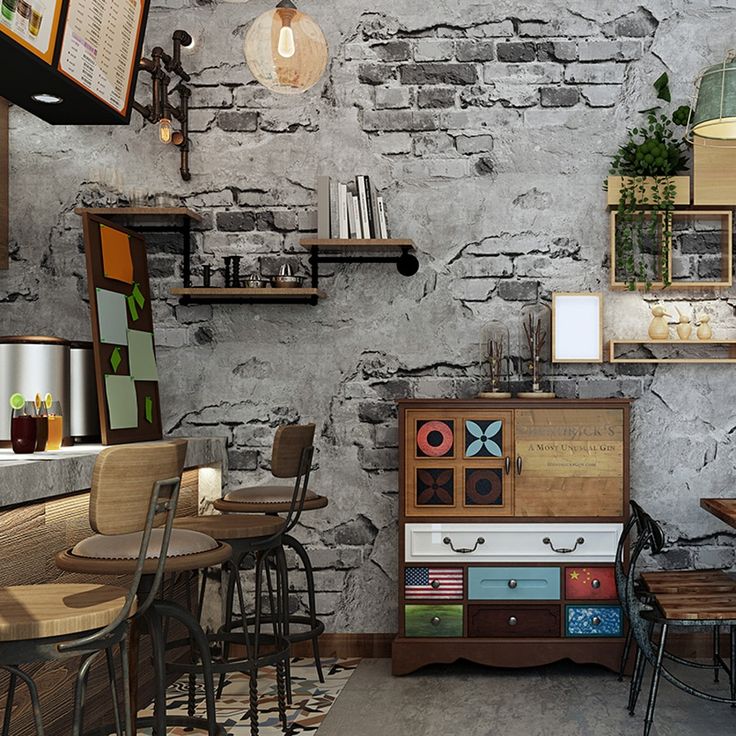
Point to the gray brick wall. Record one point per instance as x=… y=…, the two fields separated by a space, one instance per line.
x=488 y=125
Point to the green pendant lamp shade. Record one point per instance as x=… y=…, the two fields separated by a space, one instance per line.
x=286 y=50
x=714 y=112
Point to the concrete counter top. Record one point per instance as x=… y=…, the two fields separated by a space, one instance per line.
x=42 y=475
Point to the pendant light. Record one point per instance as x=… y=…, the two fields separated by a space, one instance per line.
x=713 y=115
x=286 y=50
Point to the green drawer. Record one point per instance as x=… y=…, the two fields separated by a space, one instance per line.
x=433 y=620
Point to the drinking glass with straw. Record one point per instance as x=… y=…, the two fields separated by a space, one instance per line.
x=55 y=422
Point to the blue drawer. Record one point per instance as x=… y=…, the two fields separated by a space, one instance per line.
x=514 y=583
x=593 y=621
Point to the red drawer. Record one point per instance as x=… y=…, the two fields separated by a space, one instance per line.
x=590 y=584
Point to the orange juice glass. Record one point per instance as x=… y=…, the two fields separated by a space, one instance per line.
x=56 y=427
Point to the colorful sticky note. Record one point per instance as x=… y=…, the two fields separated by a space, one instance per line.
x=141 y=357
x=149 y=409
x=122 y=402
x=117 y=262
x=132 y=308
x=112 y=317
x=116 y=359
x=138 y=295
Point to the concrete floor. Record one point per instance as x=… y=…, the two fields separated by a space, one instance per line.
x=558 y=700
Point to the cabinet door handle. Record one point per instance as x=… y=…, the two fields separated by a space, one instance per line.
x=519 y=464
x=513 y=621
x=507 y=465
x=563 y=550
x=463 y=550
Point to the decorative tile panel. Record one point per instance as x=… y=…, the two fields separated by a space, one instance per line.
x=435 y=487
x=435 y=438
x=483 y=487
x=483 y=438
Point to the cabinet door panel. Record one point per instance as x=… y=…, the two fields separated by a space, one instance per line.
x=569 y=462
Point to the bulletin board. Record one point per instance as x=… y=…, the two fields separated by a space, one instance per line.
x=122 y=332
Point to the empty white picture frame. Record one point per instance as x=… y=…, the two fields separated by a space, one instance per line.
x=577 y=328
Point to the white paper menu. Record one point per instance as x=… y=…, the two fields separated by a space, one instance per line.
x=99 y=45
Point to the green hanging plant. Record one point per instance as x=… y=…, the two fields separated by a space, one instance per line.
x=649 y=159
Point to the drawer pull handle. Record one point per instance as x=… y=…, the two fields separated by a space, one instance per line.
x=513 y=621
x=519 y=464
x=596 y=584
x=463 y=550
x=435 y=620
x=435 y=584
x=563 y=550
x=512 y=584
x=507 y=465
x=596 y=621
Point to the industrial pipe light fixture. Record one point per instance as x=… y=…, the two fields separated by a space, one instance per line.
x=286 y=50
x=161 y=66
x=713 y=114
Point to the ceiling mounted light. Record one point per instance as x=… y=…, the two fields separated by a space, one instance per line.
x=713 y=116
x=286 y=50
x=47 y=98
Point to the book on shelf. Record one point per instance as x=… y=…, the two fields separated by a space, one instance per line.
x=350 y=211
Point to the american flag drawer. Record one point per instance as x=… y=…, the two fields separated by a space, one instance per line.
x=433 y=620
x=434 y=583
x=590 y=583
x=594 y=621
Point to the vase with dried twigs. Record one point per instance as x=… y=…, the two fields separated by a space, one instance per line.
x=536 y=321
x=494 y=353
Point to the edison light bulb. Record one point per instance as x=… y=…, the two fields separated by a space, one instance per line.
x=164 y=130
x=287 y=47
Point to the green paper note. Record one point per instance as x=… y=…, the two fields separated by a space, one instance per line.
x=111 y=317
x=122 y=402
x=141 y=358
x=116 y=359
x=132 y=308
x=149 y=409
x=138 y=296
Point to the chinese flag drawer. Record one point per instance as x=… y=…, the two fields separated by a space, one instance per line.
x=513 y=620
x=590 y=584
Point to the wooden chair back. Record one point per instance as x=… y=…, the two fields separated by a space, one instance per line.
x=288 y=448
x=123 y=481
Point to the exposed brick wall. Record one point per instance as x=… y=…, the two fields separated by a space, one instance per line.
x=489 y=126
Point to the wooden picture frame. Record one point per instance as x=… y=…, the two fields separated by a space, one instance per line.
x=115 y=359
x=577 y=327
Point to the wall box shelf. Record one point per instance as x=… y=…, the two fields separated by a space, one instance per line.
x=406 y=263
x=682 y=189
x=714 y=172
x=249 y=296
x=699 y=250
x=672 y=351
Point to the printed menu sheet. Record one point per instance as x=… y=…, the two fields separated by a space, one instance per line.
x=32 y=23
x=99 y=45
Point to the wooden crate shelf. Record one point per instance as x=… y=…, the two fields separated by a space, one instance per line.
x=727 y=349
x=140 y=212
x=240 y=294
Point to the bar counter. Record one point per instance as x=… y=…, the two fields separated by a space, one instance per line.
x=44 y=501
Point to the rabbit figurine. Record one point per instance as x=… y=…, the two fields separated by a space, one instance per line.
x=684 y=326
x=705 y=331
x=659 y=328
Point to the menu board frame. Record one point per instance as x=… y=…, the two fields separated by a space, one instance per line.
x=132 y=71
x=48 y=55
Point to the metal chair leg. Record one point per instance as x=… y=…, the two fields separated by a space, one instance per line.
x=9 y=704
x=625 y=654
x=33 y=693
x=80 y=692
x=130 y=717
x=716 y=654
x=281 y=690
x=158 y=645
x=114 y=691
x=732 y=672
x=253 y=701
x=655 y=681
x=636 y=680
x=233 y=570
x=283 y=587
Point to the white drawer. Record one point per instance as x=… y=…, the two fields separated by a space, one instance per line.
x=511 y=542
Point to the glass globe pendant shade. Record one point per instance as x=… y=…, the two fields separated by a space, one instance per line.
x=714 y=111
x=286 y=50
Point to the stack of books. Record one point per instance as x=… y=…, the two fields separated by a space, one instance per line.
x=350 y=211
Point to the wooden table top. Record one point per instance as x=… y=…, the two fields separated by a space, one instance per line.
x=723 y=508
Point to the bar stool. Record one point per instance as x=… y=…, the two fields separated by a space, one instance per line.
x=60 y=621
x=121 y=486
x=277 y=499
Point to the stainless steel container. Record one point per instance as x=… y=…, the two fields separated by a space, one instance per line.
x=30 y=365
x=83 y=414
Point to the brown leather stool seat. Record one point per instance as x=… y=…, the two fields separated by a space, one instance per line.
x=231 y=526
x=117 y=554
x=266 y=499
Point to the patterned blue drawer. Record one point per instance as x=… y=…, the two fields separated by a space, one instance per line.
x=514 y=583
x=593 y=621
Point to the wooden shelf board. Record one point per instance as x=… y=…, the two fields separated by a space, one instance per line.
x=674 y=285
x=202 y=292
x=356 y=243
x=613 y=344
x=141 y=212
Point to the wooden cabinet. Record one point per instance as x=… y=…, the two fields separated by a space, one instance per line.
x=511 y=509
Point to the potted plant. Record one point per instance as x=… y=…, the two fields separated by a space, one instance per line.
x=645 y=186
